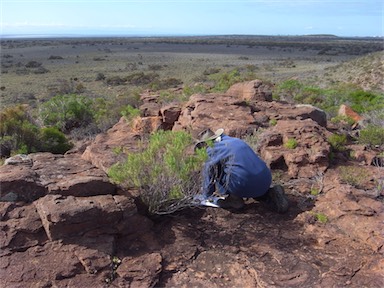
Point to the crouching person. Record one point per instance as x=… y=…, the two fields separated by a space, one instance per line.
x=234 y=171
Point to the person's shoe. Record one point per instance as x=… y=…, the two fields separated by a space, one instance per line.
x=231 y=201
x=276 y=199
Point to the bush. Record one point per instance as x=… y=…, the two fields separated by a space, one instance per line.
x=33 y=64
x=165 y=83
x=364 y=101
x=343 y=121
x=287 y=90
x=67 y=112
x=113 y=81
x=100 y=76
x=338 y=142
x=198 y=88
x=17 y=130
x=54 y=141
x=331 y=98
x=226 y=80
x=355 y=176
x=372 y=135
x=20 y=135
x=55 y=57
x=130 y=112
x=168 y=97
x=166 y=175
x=140 y=78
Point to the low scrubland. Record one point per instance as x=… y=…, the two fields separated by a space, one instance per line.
x=49 y=103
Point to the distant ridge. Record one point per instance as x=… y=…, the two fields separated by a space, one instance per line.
x=321 y=35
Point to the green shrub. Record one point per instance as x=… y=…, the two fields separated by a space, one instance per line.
x=273 y=122
x=165 y=174
x=341 y=119
x=314 y=191
x=17 y=130
x=331 y=98
x=54 y=141
x=310 y=95
x=287 y=90
x=20 y=135
x=322 y=218
x=226 y=80
x=372 y=135
x=199 y=88
x=130 y=112
x=338 y=142
x=290 y=143
x=108 y=112
x=364 y=101
x=66 y=112
x=354 y=175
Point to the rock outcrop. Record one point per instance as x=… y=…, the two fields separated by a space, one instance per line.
x=308 y=157
x=63 y=224
x=59 y=221
x=27 y=178
x=255 y=90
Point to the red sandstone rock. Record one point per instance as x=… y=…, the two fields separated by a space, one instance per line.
x=142 y=271
x=252 y=90
x=200 y=247
x=70 y=216
x=216 y=111
x=101 y=152
x=309 y=158
x=52 y=174
x=347 y=111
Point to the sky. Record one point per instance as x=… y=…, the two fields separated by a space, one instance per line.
x=191 y=17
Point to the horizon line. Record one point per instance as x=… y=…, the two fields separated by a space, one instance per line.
x=78 y=35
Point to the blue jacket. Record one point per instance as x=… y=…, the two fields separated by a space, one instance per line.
x=234 y=168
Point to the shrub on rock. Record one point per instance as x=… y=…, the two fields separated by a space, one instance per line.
x=166 y=175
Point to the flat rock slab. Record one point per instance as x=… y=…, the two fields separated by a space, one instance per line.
x=47 y=173
x=63 y=217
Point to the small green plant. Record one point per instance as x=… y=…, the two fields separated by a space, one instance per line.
x=291 y=143
x=322 y=218
x=354 y=175
x=338 y=142
x=117 y=150
x=166 y=175
x=314 y=191
x=273 y=122
x=277 y=176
